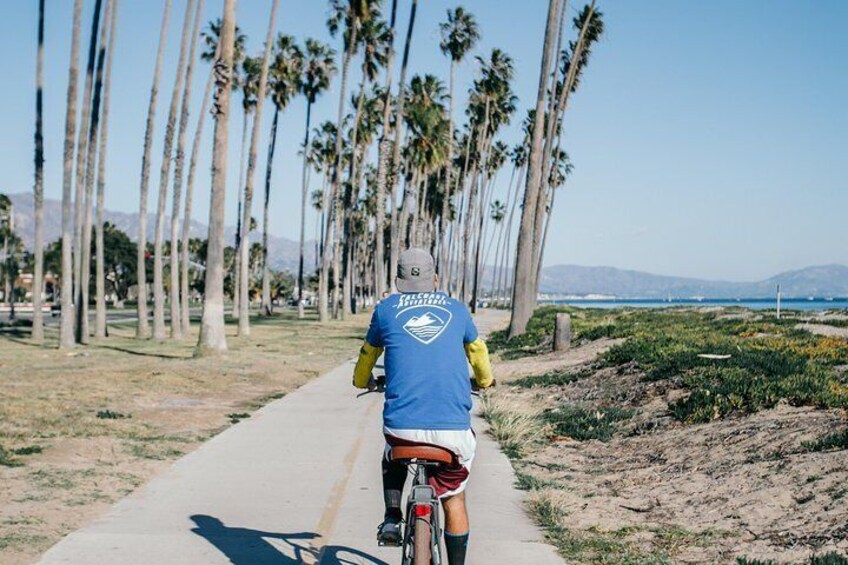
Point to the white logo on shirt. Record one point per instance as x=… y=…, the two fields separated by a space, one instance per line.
x=428 y=326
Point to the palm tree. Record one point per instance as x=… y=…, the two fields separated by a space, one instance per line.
x=459 y=35
x=522 y=299
x=88 y=193
x=394 y=173
x=383 y=148
x=100 y=279
x=318 y=68
x=248 y=82
x=210 y=38
x=177 y=329
x=143 y=328
x=82 y=154
x=212 y=336
x=285 y=83
x=66 y=331
x=244 y=298
x=38 y=187
x=559 y=173
x=165 y=170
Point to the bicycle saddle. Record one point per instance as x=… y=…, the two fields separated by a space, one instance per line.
x=427 y=453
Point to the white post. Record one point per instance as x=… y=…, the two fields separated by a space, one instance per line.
x=778 y=302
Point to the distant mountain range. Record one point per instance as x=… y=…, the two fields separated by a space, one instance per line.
x=283 y=253
x=822 y=281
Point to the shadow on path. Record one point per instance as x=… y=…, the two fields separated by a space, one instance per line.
x=243 y=546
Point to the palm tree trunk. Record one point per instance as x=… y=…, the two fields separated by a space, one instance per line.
x=448 y=175
x=334 y=184
x=382 y=167
x=100 y=275
x=66 y=328
x=38 y=187
x=505 y=256
x=244 y=244
x=143 y=328
x=82 y=167
x=522 y=302
x=395 y=171
x=212 y=336
x=266 y=272
x=351 y=190
x=177 y=329
x=239 y=227
x=186 y=232
x=303 y=196
x=470 y=224
x=90 y=171
x=164 y=173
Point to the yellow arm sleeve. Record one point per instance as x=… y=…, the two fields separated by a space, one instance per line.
x=478 y=357
x=368 y=355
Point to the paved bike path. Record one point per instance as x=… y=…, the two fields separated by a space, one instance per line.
x=299 y=482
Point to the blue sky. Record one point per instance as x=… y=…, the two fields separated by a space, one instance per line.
x=706 y=138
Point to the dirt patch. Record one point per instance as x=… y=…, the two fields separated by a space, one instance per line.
x=824 y=329
x=508 y=370
x=82 y=429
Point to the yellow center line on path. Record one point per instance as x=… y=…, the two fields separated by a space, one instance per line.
x=327 y=522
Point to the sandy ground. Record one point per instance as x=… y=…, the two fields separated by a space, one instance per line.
x=703 y=493
x=163 y=403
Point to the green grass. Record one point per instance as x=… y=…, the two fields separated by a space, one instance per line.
x=553 y=378
x=584 y=424
x=111 y=415
x=833 y=441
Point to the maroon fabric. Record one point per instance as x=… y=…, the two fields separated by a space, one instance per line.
x=444 y=478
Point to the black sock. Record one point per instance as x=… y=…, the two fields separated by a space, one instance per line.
x=394 y=477
x=456 y=545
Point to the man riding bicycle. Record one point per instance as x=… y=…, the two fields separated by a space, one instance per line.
x=429 y=339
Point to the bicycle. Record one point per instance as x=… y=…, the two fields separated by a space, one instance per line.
x=422 y=541
x=422 y=532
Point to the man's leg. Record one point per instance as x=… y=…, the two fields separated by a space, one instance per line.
x=456 y=528
x=394 y=477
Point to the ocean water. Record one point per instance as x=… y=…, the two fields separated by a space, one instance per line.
x=805 y=304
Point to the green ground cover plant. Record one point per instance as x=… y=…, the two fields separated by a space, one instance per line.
x=585 y=423
x=836 y=440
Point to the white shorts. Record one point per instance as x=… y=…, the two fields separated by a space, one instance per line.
x=448 y=480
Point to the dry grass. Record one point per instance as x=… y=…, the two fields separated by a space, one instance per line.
x=80 y=429
x=512 y=422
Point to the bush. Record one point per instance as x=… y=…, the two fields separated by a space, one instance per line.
x=836 y=441
x=553 y=378
x=584 y=424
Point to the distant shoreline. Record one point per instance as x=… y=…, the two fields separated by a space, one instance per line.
x=795 y=303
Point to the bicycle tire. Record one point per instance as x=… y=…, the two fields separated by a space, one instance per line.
x=422 y=540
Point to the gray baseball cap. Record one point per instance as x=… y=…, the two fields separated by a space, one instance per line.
x=416 y=270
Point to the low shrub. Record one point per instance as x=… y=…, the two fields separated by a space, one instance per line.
x=553 y=378
x=584 y=424
x=833 y=441
x=512 y=425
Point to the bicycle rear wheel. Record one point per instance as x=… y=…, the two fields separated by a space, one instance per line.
x=423 y=541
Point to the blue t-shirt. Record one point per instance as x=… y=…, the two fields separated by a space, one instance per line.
x=427 y=381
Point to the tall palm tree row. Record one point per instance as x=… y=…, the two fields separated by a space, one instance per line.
x=429 y=183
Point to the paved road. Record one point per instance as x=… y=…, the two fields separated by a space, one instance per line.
x=299 y=482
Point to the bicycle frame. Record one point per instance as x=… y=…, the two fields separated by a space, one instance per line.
x=422 y=504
